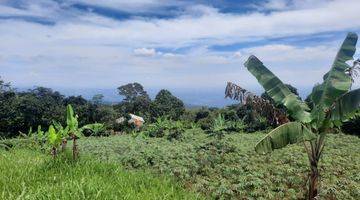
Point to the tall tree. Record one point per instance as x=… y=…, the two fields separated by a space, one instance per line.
x=136 y=100
x=166 y=104
x=131 y=91
x=97 y=99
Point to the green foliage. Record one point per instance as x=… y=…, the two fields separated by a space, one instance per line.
x=333 y=91
x=278 y=91
x=96 y=129
x=289 y=133
x=332 y=103
x=176 y=131
x=72 y=122
x=347 y=106
x=205 y=123
x=163 y=126
x=230 y=169
x=165 y=104
x=31 y=175
x=219 y=127
x=54 y=138
x=132 y=91
x=352 y=126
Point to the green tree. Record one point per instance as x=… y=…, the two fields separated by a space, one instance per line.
x=136 y=100
x=83 y=108
x=39 y=106
x=97 y=99
x=166 y=104
x=131 y=91
x=8 y=100
x=332 y=101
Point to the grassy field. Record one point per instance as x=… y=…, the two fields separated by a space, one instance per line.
x=231 y=169
x=128 y=167
x=26 y=174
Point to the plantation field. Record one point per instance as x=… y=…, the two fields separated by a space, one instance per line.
x=230 y=168
x=27 y=174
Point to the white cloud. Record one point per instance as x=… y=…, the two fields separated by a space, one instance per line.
x=110 y=52
x=144 y=52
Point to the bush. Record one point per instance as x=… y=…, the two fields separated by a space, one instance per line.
x=352 y=127
x=201 y=114
x=96 y=129
x=205 y=123
x=176 y=131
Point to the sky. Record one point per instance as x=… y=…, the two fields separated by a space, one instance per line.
x=180 y=45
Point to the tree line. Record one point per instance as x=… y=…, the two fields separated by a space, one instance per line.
x=20 y=110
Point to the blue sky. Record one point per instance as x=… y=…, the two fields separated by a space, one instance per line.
x=169 y=44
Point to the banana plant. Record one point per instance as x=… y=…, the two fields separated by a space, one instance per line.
x=73 y=129
x=54 y=139
x=332 y=103
x=64 y=132
x=37 y=138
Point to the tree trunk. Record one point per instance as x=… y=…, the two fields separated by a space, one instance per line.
x=313 y=184
x=75 y=150
x=53 y=152
x=63 y=145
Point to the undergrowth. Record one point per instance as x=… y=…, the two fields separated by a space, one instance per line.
x=230 y=169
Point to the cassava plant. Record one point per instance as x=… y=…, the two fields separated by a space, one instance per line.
x=73 y=130
x=332 y=102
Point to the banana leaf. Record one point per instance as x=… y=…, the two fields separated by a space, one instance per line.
x=71 y=120
x=289 y=133
x=277 y=90
x=346 y=106
x=336 y=82
x=53 y=137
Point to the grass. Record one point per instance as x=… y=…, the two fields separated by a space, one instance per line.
x=231 y=169
x=27 y=174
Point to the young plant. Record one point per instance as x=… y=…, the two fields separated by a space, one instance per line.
x=73 y=130
x=219 y=128
x=37 y=139
x=54 y=139
x=64 y=132
x=332 y=103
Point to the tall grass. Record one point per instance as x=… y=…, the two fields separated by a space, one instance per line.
x=26 y=174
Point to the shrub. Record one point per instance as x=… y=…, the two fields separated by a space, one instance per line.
x=352 y=126
x=96 y=129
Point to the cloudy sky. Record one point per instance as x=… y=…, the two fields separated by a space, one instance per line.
x=179 y=44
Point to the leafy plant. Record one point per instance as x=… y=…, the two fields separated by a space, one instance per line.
x=332 y=103
x=95 y=129
x=219 y=127
x=72 y=125
x=176 y=131
x=54 y=139
x=64 y=132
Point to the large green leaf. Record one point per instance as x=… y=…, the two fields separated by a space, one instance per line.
x=346 y=106
x=71 y=120
x=53 y=137
x=277 y=90
x=336 y=82
x=283 y=135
